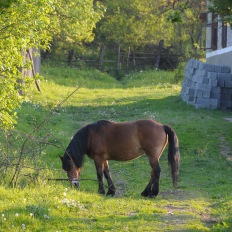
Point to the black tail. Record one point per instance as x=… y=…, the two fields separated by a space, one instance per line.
x=173 y=153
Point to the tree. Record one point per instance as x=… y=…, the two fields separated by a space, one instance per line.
x=223 y=8
x=134 y=23
x=77 y=19
x=26 y=24
x=185 y=17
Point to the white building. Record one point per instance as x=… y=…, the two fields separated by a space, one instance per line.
x=218 y=41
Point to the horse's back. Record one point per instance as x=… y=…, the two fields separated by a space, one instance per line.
x=127 y=140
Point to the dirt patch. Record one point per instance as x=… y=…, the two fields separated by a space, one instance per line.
x=120 y=188
x=120 y=184
x=173 y=194
x=225 y=149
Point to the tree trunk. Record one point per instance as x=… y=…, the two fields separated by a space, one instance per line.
x=134 y=62
x=35 y=60
x=102 y=52
x=118 y=58
x=128 y=59
x=159 y=53
x=70 y=57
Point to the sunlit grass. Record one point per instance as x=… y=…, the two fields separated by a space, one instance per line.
x=203 y=200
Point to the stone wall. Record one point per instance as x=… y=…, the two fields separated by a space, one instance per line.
x=207 y=86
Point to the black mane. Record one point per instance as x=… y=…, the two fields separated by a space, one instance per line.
x=77 y=148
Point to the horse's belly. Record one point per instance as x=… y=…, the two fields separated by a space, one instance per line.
x=125 y=154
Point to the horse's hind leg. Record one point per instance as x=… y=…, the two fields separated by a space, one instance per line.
x=147 y=190
x=152 y=188
x=111 y=187
x=155 y=175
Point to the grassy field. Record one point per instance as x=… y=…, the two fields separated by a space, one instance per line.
x=202 y=201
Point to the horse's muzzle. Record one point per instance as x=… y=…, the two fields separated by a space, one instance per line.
x=75 y=183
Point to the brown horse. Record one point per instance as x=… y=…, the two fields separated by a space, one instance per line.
x=106 y=140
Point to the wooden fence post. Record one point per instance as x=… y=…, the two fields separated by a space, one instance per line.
x=159 y=53
x=102 y=52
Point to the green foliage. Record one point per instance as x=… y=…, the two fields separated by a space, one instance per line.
x=223 y=8
x=26 y=24
x=175 y=16
x=134 y=23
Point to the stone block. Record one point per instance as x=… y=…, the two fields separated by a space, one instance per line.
x=226 y=97
x=195 y=64
x=215 y=102
x=215 y=95
x=191 y=98
x=228 y=83
x=207 y=86
x=215 y=89
x=191 y=91
x=192 y=71
x=213 y=82
x=221 y=83
x=212 y=75
x=226 y=104
x=202 y=66
x=217 y=69
x=205 y=80
x=227 y=91
x=195 y=78
x=199 y=93
x=206 y=94
x=190 y=62
x=226 y=69
x=224 y=76
x=203 y=101
x=186 y=90
x=203 y=87
x=198 y=79
x=199 y=106
x=204 y=73
x=188 y=83
x=210 y=68
x=213 y=107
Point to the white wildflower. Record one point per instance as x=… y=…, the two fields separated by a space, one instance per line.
x=46 y=216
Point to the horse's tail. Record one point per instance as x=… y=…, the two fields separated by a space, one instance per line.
x=173 y=153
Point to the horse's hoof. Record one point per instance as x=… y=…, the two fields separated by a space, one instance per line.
x=144 y=194
x=110 y=193
x=102 y=192
x=151 y=195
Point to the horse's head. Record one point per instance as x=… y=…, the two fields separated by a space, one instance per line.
x=73 y=172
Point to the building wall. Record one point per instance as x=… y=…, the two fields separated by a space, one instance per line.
x=220 y=57
x=229 y=36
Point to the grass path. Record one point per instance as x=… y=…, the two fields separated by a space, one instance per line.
x=202 y=201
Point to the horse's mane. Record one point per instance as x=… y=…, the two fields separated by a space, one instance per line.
x=77 y=148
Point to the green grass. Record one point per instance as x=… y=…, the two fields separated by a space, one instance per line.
x=202 y=202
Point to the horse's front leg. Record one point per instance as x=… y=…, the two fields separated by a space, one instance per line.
x=111 y=187
x=99 y=168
